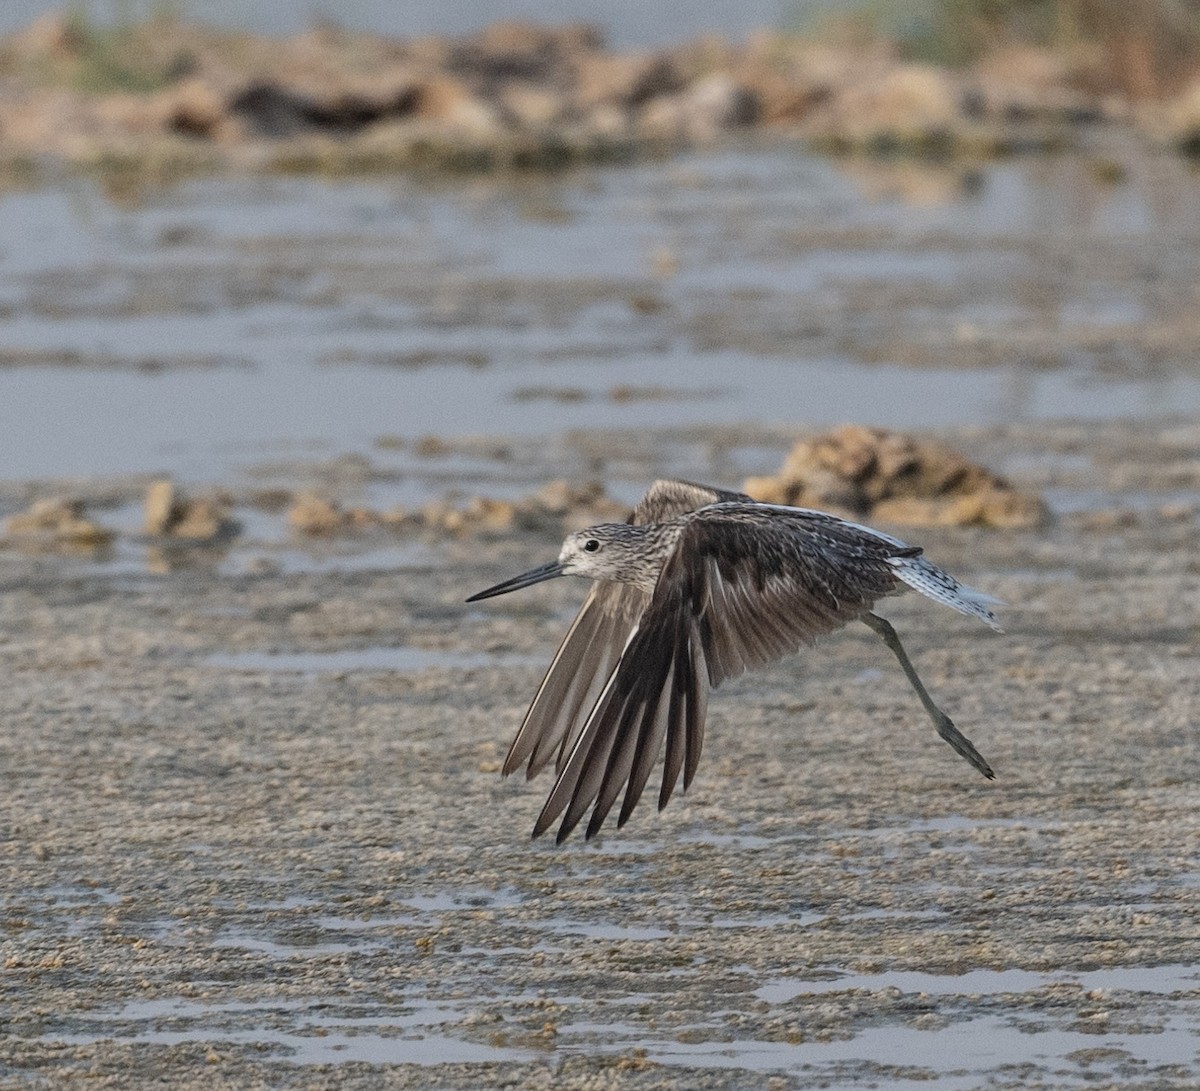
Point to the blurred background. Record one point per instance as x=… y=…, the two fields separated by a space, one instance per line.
x=398 y=253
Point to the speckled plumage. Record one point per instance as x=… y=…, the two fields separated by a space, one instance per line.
x=699 y=585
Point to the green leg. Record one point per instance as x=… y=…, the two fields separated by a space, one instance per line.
x=943 y=723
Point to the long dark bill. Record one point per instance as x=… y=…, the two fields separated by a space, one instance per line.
x=526 y=579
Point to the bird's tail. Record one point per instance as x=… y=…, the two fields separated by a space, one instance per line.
x=930 y=580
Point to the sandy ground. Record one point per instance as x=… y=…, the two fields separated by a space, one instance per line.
x=226 y=869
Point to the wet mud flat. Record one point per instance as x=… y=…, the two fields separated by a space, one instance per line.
x=254 y=832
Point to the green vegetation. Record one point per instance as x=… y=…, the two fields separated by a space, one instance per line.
x=1143 y=48
x=128 y=54
x=114 y=58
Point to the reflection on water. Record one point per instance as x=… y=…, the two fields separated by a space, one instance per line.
x=789 y=297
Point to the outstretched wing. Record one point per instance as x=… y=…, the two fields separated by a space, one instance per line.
x=657 y=691
x=577 y=673
x=765 y=581
x=593 y=645
x=745 y=585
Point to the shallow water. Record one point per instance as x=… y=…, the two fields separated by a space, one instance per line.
x=398 y=1035
x=949 y=1058
x=357 y=846
x=1154 y=979
x=950 y=1055
x=225 y=327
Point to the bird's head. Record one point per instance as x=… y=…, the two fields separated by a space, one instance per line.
x=608 y=551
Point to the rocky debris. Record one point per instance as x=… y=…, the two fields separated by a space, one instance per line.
x=167 y=92
x=58 y=521
x=700 y=112
x=1177 y=122
x=317 y=515
x=576 y=505
x=555 y=508
x=894 y=478
x=170 y=514
x=482 y=515
x=1027 y=85
x=896 y=107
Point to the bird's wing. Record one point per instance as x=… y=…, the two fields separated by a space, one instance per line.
x=762 y=582
x=743 y=586
x=658 y=691
x=577 y=674
x=668 y=499
x=594 y=643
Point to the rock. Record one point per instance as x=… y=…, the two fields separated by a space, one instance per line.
x=721 y=102
x=192 y=107
x=895 y=478
x=627 y=80
x=768 y=490
x=451 y=101
x=397 y=517
x=787 y=88
x=168 y=513
x=561 y=496
x=1178 y=122
x=1106 y=519
x=517 y=95
x=160 y=507
x=1025 y=84
x=531 y=105
x=429 y=446
x=514 y=50
x=316 y=515
x=270 y=499
x=57 y=521
x=906 y=106
x=1004 y=508
x=490 y=515
x=203 y=520
x=438 y=515
x=912 y=512
x=700 y=113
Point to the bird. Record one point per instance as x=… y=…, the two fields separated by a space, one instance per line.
x=697 y=586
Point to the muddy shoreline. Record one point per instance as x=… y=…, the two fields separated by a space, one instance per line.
x=252 y=830
x=167 y=98
x=255 y=834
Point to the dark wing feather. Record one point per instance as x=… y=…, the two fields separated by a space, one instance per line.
x=576 y=676
x=744 y=585
x=656 y=691
x=590 y=650
x=766 y=581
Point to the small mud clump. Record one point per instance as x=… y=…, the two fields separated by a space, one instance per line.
x=57 y=522
x=170 y=514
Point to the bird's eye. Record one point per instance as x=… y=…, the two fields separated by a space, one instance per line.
x=591 y=545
